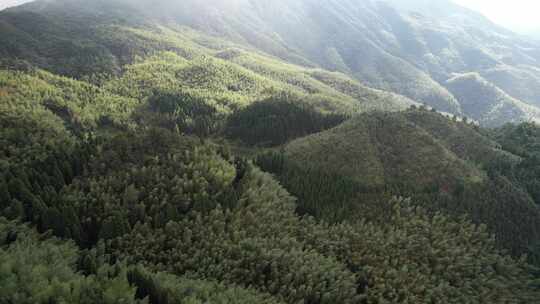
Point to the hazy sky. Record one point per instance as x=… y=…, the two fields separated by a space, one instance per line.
x=9 y=3
x=518 y=15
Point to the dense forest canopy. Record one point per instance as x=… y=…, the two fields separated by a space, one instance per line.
x=200 y=152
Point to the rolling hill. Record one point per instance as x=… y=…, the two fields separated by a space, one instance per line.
x=445 y=164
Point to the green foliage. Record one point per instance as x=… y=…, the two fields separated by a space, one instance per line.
x=56 y=101
x=404 y=255
x=228 y=85
x=522 y=140
x=278 y=119
x=384 y=148
x=325 y=195
x=165 y=179
x=237 y=246
x=5 y=196
x=444 y=166
x=163 y=288
x=109 y=163
x=188 y=114
x=415 y=257
x=39 y=269
x=36 y=269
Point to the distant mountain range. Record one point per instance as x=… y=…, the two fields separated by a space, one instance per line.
x=413 y=48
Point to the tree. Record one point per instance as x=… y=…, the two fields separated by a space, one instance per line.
x=131 y=195
x=53 y=219
x=114 y=226
x=5 y=197
x=15 y=210
x=39 y=269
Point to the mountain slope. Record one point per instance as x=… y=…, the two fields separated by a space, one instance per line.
x=379 y=149
x=445 y=164
x=521 y=82
x=408 y=47
x=124 y=133
x=487 y=103
x=96 y=49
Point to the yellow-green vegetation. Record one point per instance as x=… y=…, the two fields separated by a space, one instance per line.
x=248 y=77
x=383 y=148
x=372 y=99
x=118 y=185
x=79 y=104
x=444 y=165
x=465 y=140
x=75 y=276
x=335 y=87
x=40 y=269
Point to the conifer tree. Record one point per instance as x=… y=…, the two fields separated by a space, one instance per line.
x=5 y=197
x=15 y=210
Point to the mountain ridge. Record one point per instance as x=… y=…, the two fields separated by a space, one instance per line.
x=394 y=49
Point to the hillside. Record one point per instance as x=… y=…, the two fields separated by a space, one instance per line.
x=488 y=104
x=382 y=149
x=408 y=47
x=443 y=165
x=94 y=50
x=405 y=47
x=521 y=83
x=238 y=151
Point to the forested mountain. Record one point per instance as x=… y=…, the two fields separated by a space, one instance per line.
x=235 y=151
x=410 y=48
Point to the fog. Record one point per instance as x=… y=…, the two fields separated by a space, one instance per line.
x=9 y=3
x=518 y=15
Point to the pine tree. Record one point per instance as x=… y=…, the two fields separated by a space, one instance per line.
x=59 y=181
x=15 y=210
x=131 y=195
x=114 y=226
x=52 y=219
x=5 y=197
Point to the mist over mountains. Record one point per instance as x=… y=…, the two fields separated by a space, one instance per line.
x=412 y=48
